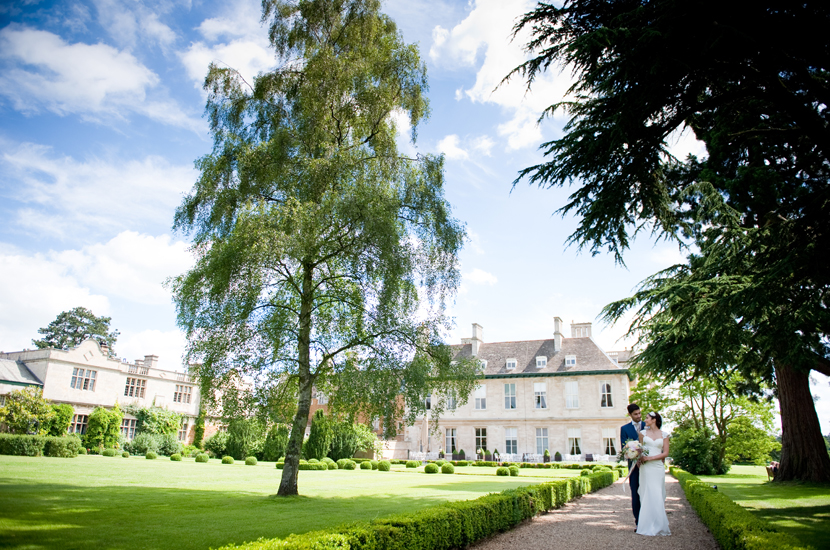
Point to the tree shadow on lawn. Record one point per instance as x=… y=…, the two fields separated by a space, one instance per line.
x=53 y=515
x=810 y=524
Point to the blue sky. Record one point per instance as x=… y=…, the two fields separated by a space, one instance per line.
x=101 y=120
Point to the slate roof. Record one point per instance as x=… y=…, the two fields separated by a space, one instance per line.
x=589 y=356
x=17 y=373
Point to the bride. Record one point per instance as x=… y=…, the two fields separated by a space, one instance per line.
x=653 y=519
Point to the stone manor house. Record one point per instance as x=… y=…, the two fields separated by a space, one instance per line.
x=561 y=394
x=86 y=377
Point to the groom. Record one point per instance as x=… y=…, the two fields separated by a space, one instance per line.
x=627 y=433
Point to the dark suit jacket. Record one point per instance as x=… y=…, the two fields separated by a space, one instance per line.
x=627 y=433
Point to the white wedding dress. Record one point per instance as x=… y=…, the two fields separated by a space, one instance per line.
x=653 y=520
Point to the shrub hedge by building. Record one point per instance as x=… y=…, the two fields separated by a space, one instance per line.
x=734 y=527
x=67 y=446
x=446 y=526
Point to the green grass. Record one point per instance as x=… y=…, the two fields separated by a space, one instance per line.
x=117 y=503
x=800 y=509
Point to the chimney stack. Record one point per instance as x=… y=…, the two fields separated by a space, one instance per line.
x=478 y=337
x=151 y=361
x=580 y=330
x=557 y=334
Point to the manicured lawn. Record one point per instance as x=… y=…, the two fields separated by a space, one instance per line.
x=134 y=503
x=801 y=509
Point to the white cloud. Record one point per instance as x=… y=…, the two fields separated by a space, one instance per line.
x=682 y=142
x=130 y=265
x=168 y=345
x=42 y=71
x=129 y=22
x=245 y=49
x=480 y=277
x=33 y=290
x=484 y=38
x=449 y=146
x=64 y=197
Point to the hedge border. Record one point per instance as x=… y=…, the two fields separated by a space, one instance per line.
x=446 y=526
x=734 y=527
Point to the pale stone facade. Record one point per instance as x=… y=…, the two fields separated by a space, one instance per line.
x=561 y=394
x=86 y=377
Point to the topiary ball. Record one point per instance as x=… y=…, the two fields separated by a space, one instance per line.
x=514 y=470
x=342 y=463
x=366 y=465
x=431 y=469
x=109 y=452
x=374 y=464
x=227 y=460
x=350 y=465
x=440 y=462
x=151 y=455
x=586 y=472
x=250 y=461
x=502 y=471
x=313 y=461
x=202 y=457
x=332 y=465
x=384 y=466
x=125 y=454
x=447 y=468
x=176 y=457
x=412 y=463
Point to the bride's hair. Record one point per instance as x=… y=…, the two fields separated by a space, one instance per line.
x=657 y=418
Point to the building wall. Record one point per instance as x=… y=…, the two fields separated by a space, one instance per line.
x=589 y=417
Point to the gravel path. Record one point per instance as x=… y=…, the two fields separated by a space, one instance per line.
x=604 y=520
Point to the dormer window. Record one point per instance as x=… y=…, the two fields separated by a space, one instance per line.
x=570 y=360
x=482 y=366
x=510 y=364
x=541 y=362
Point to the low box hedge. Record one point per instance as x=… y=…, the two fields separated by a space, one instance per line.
x=446 y=526
x=734 y=527
x=67 y=446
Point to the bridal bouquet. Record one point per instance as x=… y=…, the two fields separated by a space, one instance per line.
x=631 y=451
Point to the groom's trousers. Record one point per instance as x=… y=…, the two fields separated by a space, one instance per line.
x=634 y=483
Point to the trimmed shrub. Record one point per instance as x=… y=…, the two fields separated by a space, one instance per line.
x=227 y=460
x=22 y=445
x=151 y=455
x=109 y=452
x=586 y=472
x=461 y=463
x=412 y=463
x=250 y=461
x=331 y=465
x=514 y=470
x=365 y=465
x=316 y=466
x=503 y=471
x=202 y=457
x=431 y=469
x=384 y=466
x=313 y=461
x=341 y=463
x=350 y=465
x=142 y=444
x=440 y=462
x=125 y=454
x=176 y=457
x=82 y=451
x=374 y=464
x=487 y=463
x=734 y=527
x=67 y=446
x=447 y=468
